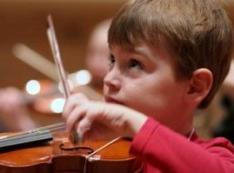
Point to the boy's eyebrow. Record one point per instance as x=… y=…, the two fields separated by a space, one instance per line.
x=134 y=50
x=141 y=52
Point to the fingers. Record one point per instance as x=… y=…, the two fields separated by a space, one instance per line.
x=75 y=116
x=73 y=101
x=80 y=114
x=74 y=111
x=84 y=126
x=93 y=119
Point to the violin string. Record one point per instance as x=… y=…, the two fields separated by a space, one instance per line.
x=53 y=127
x=20 y=135
x=104 y=146
x=98 y=150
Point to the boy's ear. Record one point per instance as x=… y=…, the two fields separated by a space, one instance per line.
x=200 y=84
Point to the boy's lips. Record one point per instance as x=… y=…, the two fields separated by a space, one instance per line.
x=112 y=100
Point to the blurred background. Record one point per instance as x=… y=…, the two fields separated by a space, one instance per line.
x=24 y=21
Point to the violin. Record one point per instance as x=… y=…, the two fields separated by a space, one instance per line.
x=59 y=155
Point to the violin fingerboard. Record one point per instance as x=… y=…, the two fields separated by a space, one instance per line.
x=26 y=139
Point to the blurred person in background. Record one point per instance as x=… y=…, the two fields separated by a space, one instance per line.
x=97 y=54
x=14 y=114
x=226 y=126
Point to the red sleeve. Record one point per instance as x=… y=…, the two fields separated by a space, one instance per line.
x=163 y=150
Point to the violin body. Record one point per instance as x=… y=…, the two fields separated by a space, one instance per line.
x=61 y=156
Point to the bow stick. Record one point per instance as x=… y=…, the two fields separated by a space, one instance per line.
x=75 y=138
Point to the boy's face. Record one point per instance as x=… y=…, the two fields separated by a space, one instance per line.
x=144 y=80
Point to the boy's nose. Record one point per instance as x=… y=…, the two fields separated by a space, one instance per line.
x=112 y=80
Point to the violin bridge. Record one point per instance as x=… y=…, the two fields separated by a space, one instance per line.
x=94 y=158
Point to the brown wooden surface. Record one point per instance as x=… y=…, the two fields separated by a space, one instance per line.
x=50 y=158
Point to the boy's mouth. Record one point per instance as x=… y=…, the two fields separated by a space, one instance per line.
x=112 y=100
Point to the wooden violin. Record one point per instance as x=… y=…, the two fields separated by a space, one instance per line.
x=59 y=155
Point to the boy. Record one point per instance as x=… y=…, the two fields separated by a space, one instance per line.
x=168 y=57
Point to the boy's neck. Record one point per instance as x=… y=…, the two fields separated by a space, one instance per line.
x=183 y=126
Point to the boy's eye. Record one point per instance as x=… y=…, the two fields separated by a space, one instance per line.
x=111 y=60
x=133 y=63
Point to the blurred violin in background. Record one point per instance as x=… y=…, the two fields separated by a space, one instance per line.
x=45 y=97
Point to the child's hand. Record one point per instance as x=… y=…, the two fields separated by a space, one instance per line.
x=101 y=120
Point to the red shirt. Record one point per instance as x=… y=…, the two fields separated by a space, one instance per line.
x=165 y=151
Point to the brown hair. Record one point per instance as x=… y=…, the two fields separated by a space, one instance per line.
x=199 y=31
